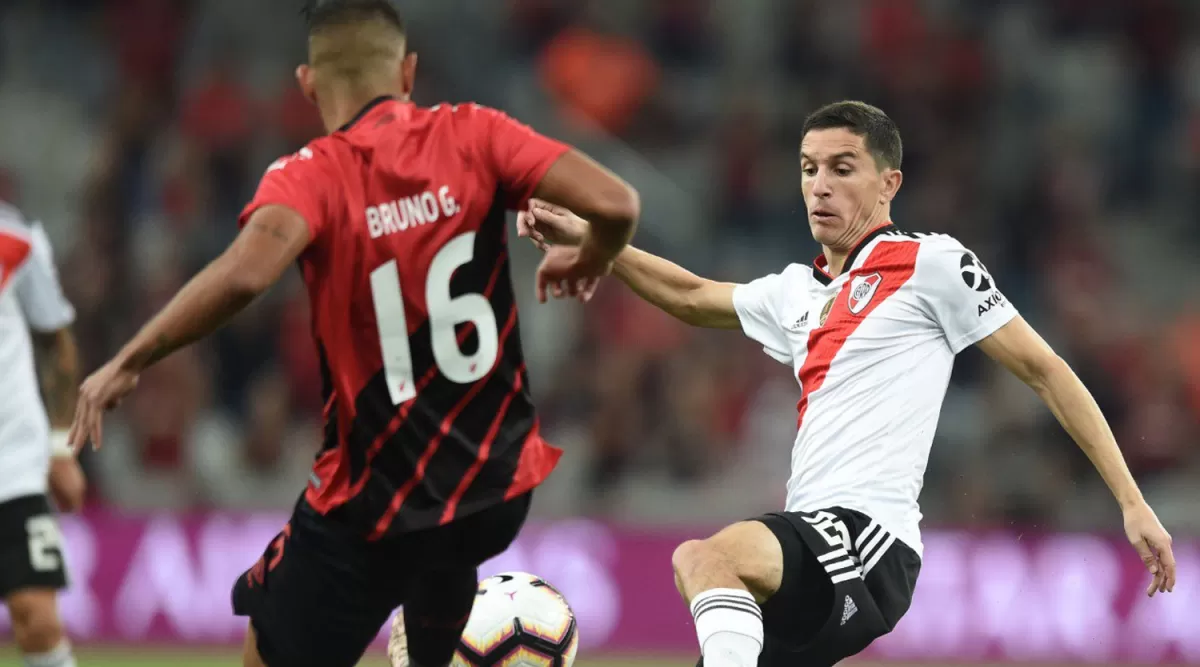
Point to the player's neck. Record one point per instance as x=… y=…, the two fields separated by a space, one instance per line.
x=344 y=108
x=835 y=258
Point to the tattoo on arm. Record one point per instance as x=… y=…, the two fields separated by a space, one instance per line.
x=58 y=362
x=274 y=230
x=162 y=349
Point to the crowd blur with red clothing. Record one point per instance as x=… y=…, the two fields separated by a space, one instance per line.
x=1058 y=138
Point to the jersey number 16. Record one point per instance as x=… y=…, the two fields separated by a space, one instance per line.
x=445 y=314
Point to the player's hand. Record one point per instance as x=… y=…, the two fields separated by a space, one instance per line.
x=101 y=392
x=1153 y=544
x=527 y=229
x=565 y=271
x=546 y=224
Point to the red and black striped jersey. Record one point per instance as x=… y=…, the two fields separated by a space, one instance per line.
x=428 y=414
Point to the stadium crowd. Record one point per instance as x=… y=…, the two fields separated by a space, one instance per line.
x=1059 y=138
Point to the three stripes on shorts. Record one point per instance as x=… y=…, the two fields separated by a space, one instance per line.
x=843 y=564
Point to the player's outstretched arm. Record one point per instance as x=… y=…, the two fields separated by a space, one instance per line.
x=672 y=288
x=271 y=240
x=1023 y=352
x=680 y=293
x=528 y=164
x=609 y=205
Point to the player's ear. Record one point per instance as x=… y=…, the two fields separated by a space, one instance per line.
x=304 y=78
x=408 y=74
x=892 y=179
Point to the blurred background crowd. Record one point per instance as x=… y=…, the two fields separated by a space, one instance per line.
x=1060 y=139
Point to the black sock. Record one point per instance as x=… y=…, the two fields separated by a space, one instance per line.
x=435 y=615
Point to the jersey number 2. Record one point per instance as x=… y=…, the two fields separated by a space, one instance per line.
x=45 y=543
x=445 y=314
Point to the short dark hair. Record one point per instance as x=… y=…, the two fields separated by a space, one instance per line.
x=320 y=14
x=878 y=131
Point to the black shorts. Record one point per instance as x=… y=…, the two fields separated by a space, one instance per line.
x=31 y=554
x=321 y=592
x=846 y=582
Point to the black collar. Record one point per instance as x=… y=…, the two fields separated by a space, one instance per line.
x=823 y=276
x=366 y=110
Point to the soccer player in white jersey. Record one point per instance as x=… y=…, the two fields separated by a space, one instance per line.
x=35 y=460
x=870 y=331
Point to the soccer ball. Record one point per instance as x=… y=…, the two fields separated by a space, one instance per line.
x=518 y=620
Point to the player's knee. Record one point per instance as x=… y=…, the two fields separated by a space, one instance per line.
x=35 y=623
x=746 y=552
x=687 y=556
x=695 y=558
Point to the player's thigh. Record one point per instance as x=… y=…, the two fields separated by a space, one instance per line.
x=36 y=626
x=835 y=597
x=447 y=559
x=749 y=549
x=32 y=605
x=31 y=554
x=317 y=597
x=799 y=608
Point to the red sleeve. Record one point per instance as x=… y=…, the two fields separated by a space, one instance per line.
x=295 y=182
x=517 y=155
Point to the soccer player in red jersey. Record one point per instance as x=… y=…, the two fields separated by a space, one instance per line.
x=431 y=445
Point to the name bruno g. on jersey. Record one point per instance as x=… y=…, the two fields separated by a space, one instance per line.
x=398 y=215
x=406 y=213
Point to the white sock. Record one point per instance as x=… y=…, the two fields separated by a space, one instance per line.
x=729 y=626
x=59 y=656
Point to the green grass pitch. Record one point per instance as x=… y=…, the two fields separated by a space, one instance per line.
x=128 y=657
x=140 y=657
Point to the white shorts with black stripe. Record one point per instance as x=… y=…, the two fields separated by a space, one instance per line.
x=846 y=582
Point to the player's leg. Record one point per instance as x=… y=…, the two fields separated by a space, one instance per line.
x=250 y=656
x=724 y=579
x=37 y=630
x=32 y=571
x=440 y=599
x=317 y=597
x=436 y=614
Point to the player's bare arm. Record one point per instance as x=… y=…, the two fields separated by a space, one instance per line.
x=269 y=243
x=609 y=205
x=672 y=288
x=678 y=292
x=58 y=372
x=612 y=206
x=1023 y=352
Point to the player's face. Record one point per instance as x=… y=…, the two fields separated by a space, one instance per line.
x=845 y=192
